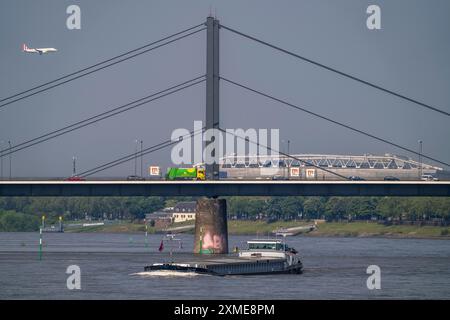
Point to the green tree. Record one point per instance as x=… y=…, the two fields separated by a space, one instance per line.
x=314 y=207
x=11 y=221
x=337 y=208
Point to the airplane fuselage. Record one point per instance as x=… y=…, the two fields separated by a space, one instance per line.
x=38 y=50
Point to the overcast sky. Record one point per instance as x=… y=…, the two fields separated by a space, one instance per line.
x=410 y=55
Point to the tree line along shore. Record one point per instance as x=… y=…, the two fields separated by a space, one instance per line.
x=343 y=216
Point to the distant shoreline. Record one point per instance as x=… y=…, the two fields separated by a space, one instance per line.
x=326 y=229
x=379 y=236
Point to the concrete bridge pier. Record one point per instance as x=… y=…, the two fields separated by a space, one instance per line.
x=211 y=230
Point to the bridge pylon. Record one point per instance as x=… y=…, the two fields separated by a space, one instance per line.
x=212 y=94
x=211 y=229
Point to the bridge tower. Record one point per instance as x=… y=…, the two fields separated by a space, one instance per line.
x=211 y=231
x=212 y=93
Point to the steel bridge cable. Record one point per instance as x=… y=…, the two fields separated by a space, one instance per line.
x=131 y=156
x=124 y=159
x=95 y=70
x=332 y=121
x=100 y=63
x=104 y=113
x=84 y=123
x=286 y=155
x=337 y=71
x=128 y=157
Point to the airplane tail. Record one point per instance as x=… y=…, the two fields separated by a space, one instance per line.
x=24 y=47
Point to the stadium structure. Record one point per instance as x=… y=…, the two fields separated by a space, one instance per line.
x=323 y=167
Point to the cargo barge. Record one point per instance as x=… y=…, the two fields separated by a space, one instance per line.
x=267 y=256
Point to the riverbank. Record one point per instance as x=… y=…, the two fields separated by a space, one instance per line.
x=367 y=229
x=342 y=229
x=122 y=227
x=326 y=229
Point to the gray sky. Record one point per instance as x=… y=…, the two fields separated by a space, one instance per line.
x=409 y=55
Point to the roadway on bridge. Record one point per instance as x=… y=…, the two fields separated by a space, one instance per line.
x=223 y=188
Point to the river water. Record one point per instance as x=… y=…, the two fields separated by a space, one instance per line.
x=112 y=268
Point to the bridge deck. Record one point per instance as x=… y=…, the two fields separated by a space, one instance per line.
x=224 y=188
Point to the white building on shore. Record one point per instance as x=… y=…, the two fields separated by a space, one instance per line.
x=184 y=211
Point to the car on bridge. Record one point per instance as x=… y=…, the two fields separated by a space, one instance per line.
x=391 y=178
x=278 y=177
x=135 y=178
x=428 y=177
x=355 y=178
x=75 y=178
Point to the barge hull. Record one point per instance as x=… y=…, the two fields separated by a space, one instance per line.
x=225 y=267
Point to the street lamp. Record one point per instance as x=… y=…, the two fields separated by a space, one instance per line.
x=1 y=159
x=141 y=157
x=9 y=143
x=74 y=169
x=135 y=157
x=283 y=142
x=420 y=158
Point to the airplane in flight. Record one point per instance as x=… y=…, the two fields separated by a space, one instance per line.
x=37 y=50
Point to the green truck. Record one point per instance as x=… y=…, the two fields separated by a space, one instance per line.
x=185 y=174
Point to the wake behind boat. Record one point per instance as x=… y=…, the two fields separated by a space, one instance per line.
x=261 y=257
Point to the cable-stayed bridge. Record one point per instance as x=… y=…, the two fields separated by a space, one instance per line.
x=330 y=177
x=325 y=175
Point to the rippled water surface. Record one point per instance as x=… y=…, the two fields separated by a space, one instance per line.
x=112 y=267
